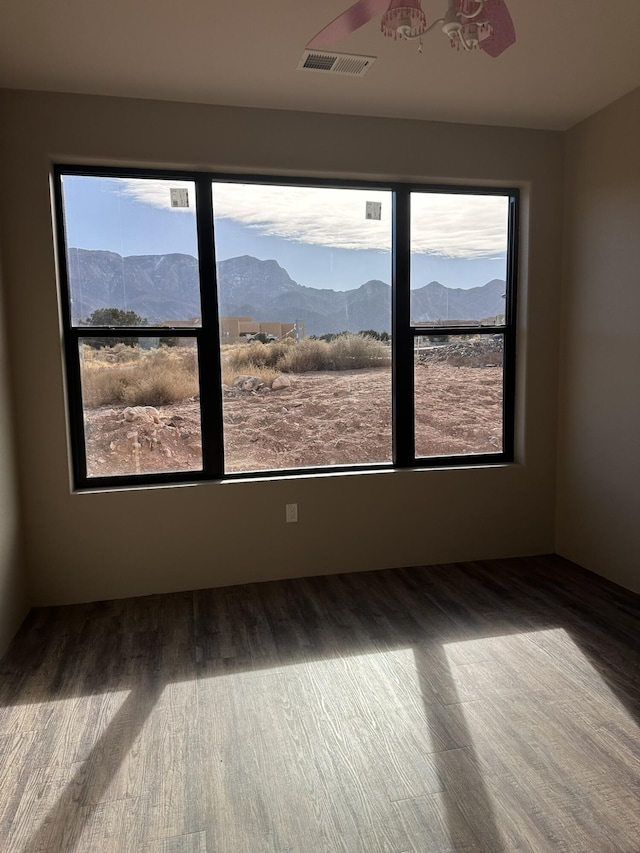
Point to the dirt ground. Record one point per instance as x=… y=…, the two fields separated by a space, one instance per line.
x=321 y=419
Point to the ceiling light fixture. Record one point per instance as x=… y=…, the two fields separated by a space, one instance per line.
x=468 y=24
x=403 y=19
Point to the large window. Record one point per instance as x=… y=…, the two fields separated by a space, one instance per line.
x=223 y=326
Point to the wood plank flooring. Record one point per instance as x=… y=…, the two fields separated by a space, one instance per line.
x=485 y=707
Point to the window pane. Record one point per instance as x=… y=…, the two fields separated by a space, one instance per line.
x=458 y=394
x=458 y=258
x=131 y=251
x=303 y=273
x=141 y=407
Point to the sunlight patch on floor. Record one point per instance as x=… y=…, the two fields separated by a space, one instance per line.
x=321 y=732
x=542 y=718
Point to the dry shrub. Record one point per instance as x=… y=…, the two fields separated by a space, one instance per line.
x=355 y=352
x=264 y=374
x=346 y=352
x=103 y=386
x=137 y=377
x=118 y=354
x=248 y=358
x=307 y=356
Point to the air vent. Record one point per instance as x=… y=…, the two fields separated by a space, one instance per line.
x=335 y=63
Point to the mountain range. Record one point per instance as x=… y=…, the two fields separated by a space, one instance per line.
x=162 y=288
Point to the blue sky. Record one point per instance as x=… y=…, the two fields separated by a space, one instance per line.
x=320 y=236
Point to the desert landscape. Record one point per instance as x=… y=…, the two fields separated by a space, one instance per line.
x=318 y=418
x=317 y=394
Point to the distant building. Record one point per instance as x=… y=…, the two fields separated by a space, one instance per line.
x=233 y=330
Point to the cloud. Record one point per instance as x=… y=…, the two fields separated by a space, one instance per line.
x=444 y=224
x=157 y=193
x=458 y=225
x=314 y=215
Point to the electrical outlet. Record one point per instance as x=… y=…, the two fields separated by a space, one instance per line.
x=292 y=513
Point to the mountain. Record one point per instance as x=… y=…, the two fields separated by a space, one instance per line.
x=165 y=287
x=264 y=291
x=157 y=287
x=434 y=301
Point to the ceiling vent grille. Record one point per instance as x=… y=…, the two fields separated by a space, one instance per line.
x=347 y=64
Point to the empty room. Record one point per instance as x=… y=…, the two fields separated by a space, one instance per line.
x=319 y=443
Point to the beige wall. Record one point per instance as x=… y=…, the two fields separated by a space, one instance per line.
x=598 y=523
x=88 y=546
x=13 y=592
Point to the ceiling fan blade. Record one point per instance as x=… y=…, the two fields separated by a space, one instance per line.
x=351 y=19
x=503 y=32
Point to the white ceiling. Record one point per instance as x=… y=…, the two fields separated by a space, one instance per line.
x=571 y=58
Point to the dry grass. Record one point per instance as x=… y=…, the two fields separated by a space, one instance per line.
x=356 y=352
x=254 y=359
x=307 y=357
x=347 y=352
x=133 y=376
x=130 y=376
x=264 y=374
x=256 y=355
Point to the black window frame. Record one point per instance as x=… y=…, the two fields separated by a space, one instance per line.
x=207 y=334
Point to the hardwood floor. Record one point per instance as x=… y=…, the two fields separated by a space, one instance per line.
x=491 y=706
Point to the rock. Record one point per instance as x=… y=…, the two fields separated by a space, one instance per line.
x=247 y=383
x=141 y=413
x=484 y=351
x=280 y=382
